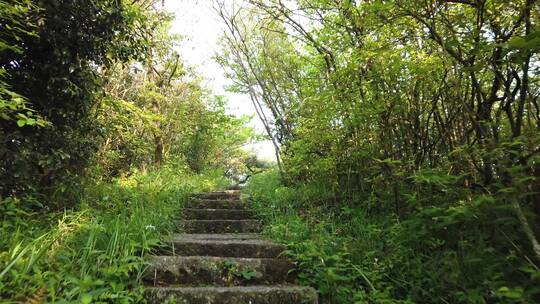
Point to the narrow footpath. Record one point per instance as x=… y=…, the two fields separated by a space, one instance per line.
x=220 y=258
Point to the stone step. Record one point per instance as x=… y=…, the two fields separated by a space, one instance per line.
x=217 y=271
x=220 y=226
x=222 y=214
x=221 y=236
x=233 y=295
x=216 y=204
x=223 y=245
x=227 y=194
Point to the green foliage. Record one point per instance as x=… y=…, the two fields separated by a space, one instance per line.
x=109 y=93
x=95 y=252
x=234 y=271
x=406 y=135
x=158 y=109
x=449 y=252
x=414 y=122
x=182 y=117
x=14 y=17
x=51 y=53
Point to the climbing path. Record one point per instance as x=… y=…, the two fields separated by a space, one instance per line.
x=220 y=258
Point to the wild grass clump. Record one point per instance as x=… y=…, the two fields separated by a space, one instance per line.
x=95 y=252
x=445 y=250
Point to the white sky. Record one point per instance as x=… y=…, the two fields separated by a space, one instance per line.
x=201 y=28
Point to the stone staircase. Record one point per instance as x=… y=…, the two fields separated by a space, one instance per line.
x=220 y=258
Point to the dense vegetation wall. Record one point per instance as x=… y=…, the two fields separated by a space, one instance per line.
x=422 y=113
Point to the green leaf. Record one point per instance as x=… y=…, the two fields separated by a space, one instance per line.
x=249 y=274
x=86 y=299
x=516 y=293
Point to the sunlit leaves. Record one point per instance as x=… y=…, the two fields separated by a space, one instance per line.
x=429 y=111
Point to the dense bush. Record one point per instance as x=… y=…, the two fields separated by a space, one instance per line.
x=418 y=119
x=95 y=89
x=104 y=132
x=53 y=62
x=406 y=137
x=95 y=252
x=145 y=122
x=449 y=252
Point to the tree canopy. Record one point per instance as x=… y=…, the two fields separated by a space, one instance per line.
x=423 y=111
x=406 y=134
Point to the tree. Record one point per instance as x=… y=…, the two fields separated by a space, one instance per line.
x=56 y=67
x=390 y=100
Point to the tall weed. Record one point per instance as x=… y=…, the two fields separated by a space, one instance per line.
x=95 y=252
x=444 y=249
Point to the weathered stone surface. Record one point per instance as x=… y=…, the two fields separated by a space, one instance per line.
x=216 y=204
x=218 y=236
x=223 y=214
x=217 y=271
x=221 y=249
x=233 y=295
x=227 y=245
x=227 y=194
x=220 y=226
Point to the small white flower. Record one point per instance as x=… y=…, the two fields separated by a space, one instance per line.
x=147 y=227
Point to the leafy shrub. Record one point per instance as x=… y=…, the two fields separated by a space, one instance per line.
x=95 y=252
x=449 y=252
x=54 y=52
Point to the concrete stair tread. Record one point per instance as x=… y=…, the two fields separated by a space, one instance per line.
x=212 y=200
x=224 y=245
x=216 y=204
x=222 y=221
x=220 y=226
x=221 y=258
x=262 y=294
x=218 y=194
x=215 y=213
x=220 y=271
x=223 y=238
x=216 y=236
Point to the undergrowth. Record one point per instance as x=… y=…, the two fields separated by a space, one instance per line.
x=353 y=254
x=95 y=252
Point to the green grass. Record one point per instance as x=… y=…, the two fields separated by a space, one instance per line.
x=352 y=254
x=325 y=245
x=95 y=252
